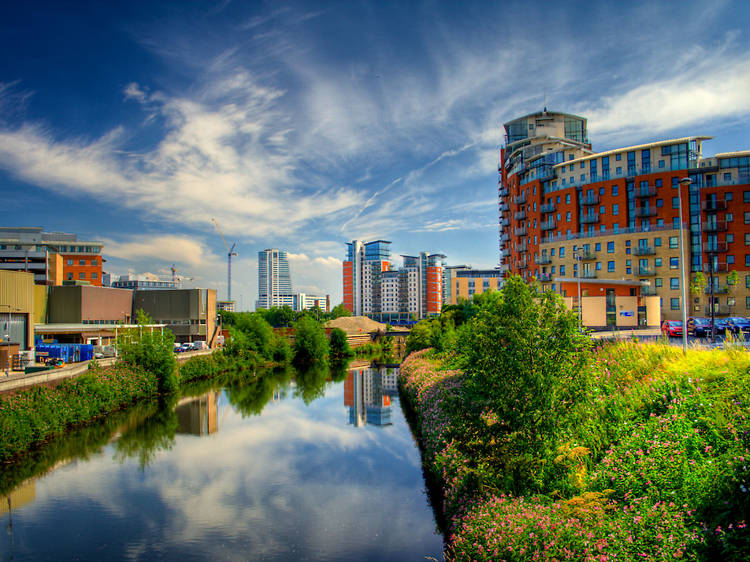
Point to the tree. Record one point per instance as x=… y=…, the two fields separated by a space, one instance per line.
x=310 y=342
x=527 y=366
x=732 y=280
x=698 y=285
x=339 y=345
x=152 y=351
x=340 y=310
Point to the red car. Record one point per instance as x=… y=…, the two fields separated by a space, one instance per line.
x=672 y=328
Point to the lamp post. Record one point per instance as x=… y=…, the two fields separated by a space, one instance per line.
x=685 y=182
x=577 y=256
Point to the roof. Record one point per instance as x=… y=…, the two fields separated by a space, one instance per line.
x=635 y=147
x=733 y=154
x=543 y=113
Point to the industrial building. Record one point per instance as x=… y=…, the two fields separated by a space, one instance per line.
x=373 y=288
x=566 y=211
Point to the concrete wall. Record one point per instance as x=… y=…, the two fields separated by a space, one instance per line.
x=76 y=304
x=189 y=313
x=626 y=305
x=594 y=311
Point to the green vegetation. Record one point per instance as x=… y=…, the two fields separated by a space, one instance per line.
x=339 y=345
x=310 y=342
x=546 y=448
x=152 y=352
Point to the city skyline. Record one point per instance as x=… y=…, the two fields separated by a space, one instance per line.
x=300 y=128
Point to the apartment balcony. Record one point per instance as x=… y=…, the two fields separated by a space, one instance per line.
x=718 y=267
x=519 y=199
x=544 y=277
x=548 y=225
x=520 y=231
x=717 y=290
x=717 y=248
x=544 y=259
x=646 y=272
x=505 y=222
x=590 y=218
x=523 y=265
x=502 y=192
x=648 y=191
x=719 y=310
x=503 y=207
x=715 y=226
x=590 y=274
x=648 y=291
x=587 y=255
x=505 y=238
x=548 y=208
x=519 y=215
x=644 y=251
x=713 y=206
x=645 y=211
x=590 y=200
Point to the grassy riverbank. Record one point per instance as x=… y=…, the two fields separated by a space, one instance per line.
x=653 y=466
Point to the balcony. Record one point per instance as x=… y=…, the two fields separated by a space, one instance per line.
x=519 y=215
x=544 y=259
x=544 y=277
x=648 y=191
x=519 y=199
x=719 y=310
x=502 y=192
x=523 y=265
x=503 y=207
x=586 y=255
x=644 y=251
x=715 y=226
x=713 y=206
x=590 y=274
x=645 y=211
x=717 y=248
x=648 y=291
x=548 y=208
x=505 y=222
x=590 y=218
x=590 y=200
x=520 y=231
x=646 y=272
x=505 y=238
x=717 y=290
x=718 y=267
x=548 y=225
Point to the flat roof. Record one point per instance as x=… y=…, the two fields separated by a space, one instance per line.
x=635 y=147
x=75 y=328
x=543 y=113
x=733 y=154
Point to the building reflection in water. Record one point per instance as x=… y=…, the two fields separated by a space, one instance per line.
x=367 y=393
x=198 y=415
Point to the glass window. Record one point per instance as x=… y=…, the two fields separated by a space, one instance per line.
x=728 y=196
x=658 y=282
x=562 y=251
x=657 y=262
x=674 y=303
x=729 y=217
x=730 y=259
x=675 y=202
x=657 y=242
x=598 y=247
x=562 y=270
x=674 y=283
x=94 y=275
x=70 y=262
x=673 y=242
x=747 y=260
x=660 y=202
x=675 y=182
x=746 y=196
x=747 y=217
x=81 y=262
x=730 y=238
x=615 y=209
x=610 y=247
x=81 y=275
x=610 y=266
x=674 y=263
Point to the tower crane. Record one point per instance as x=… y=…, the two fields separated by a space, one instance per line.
x=230 y=253
x=178 y=278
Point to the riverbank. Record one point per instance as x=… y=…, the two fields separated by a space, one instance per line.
x=655 y=464
x=33 y=415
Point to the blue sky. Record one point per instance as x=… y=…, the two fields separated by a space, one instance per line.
x=306 y=125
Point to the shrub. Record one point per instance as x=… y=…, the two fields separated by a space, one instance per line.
x=339 y=345
x=310 y=342
x=143 y=348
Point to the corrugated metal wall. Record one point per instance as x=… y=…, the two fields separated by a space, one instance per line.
x=17 y=305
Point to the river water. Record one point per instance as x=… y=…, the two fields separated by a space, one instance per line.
x=285 y=466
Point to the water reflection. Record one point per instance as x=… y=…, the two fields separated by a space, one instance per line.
x=368 y=390
x=259 y=467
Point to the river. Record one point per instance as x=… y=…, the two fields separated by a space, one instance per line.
x=285 y=466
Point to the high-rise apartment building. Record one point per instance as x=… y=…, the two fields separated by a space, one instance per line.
x=274 y=281
x=462 y=281
x=372 y=287
x=567 y=212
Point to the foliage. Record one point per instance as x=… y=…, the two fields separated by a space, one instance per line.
x=310 y=342
x=338 y=311
x=152 y=351
x=339 y=345
x=698 y=284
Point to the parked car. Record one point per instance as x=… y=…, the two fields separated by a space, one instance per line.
x=699 y=327
x=671 y=328
x=187 y=346
x=722 y=325
x=738 y=324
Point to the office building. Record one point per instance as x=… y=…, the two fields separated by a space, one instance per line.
x=143 y=282
x=274 y=280
x=566 y=211
x=55 y=258
x=372 y=287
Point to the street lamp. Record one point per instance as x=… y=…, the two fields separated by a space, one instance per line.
x=686 y=182
x=578 y=256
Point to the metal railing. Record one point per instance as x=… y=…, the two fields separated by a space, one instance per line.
x=520 y=231
x=548 y=208
x=717 y=248
x=542 y=260
x=646 y=271
x=590 y=218
x=645 y=211
x=644 y=251
x=715 y=226
x=647 y=191
x=519 y=215
x=587 y=255
x=711 y=206
x=548 y=225
x=590 y=200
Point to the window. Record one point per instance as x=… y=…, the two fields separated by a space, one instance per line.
x=567 y=216
x=730 y=259
x=618 y=157
x=674 y=303
x=583 y=176
x=675 y=182
x=729 y=217
x=582 y=165
x=610 y=266
x=657 y=262
x=70 y=262
x=746 y=196
x=598 y=266
x=93 y=262
x=747 y=260
x=747 y=217
x=567 y=198
x=747 y=281
x=562 y=251
x=674 y=283
x=81 y=275
x=70 y=276
x=615 y=209
x=674 y=263
x=658 y=182
x=675 y=202
x=657 y=242
x=728 y=195
x=81 y=262
x=661 y=163
x=602 y=191
x=627 y=251
x=673 y=242
x=660 y=202
x=747 y=302
x=658 y=282
x=676 y=223
x=562 y=270
x=747 y=238
x=627 y=270
x=598 y=247
x=618 y=170
x=730 y=238
x=94 y=275
x=602 y=209
x=610 y=247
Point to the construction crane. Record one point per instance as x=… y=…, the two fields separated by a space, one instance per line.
x=230 y=253
x=178 y=278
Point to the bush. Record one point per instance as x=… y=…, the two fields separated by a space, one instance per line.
x=310 y=342
x=143 y=348
x=339 y=345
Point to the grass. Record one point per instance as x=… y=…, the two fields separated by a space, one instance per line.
x=654 y=465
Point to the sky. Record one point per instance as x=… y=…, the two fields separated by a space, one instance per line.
x=303 y=126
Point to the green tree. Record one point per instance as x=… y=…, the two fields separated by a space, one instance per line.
x=310 y=342
x=339 y=345
x=420 y=336
x=698 y=285
x=339 y=310
x=527 y=366
x=152 y=350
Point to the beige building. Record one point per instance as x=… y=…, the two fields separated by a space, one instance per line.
x=463 y=282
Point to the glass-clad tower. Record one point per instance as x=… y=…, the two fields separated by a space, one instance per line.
x=274 y=281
